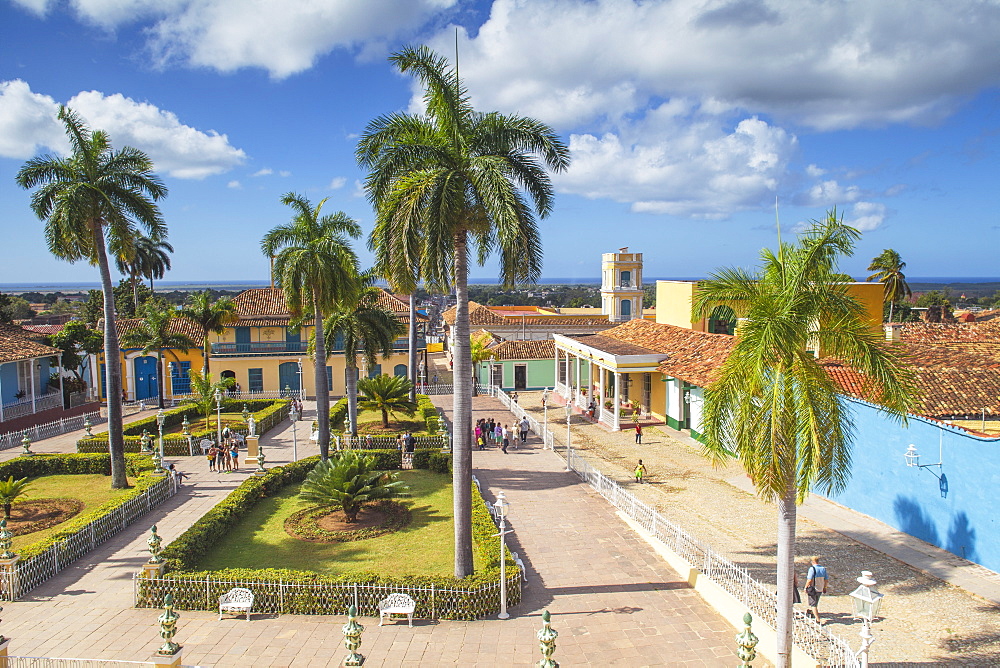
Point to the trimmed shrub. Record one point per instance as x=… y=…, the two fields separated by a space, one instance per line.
x=422 y=457
x=338 y=414
x=439 y=462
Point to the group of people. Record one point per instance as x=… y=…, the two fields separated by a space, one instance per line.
x=225 y=458
x=491 y=432
x=407 y=445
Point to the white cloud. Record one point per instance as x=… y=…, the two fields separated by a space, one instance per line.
x=815 y=172
x=284 y=173
x=830 y=193
x=866 y=216
x=819 y=63
x=281 y=37
x=359 y=189
x=28 y=125
x=263 y=172
x=337 y=183
x=39 y=7
x=681 y=165
x=236 y=185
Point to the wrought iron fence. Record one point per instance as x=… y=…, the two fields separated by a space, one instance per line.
x=22 y=407
x=49 y=429
x=279 y=597
x=424 y=388
x=372 y=442
x=31 y=572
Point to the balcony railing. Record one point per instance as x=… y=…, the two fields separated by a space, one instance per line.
x=23 y=407
x=259 y=348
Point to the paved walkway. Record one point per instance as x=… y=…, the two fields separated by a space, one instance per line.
x=613 y=601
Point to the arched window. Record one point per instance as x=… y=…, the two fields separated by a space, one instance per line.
x=626 y=308
x=722 y=320
x=399 y=370
x=626 y=281
x=375 y=371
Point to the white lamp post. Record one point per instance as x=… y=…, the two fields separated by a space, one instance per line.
x=866 y=602
x=302 y=395
x=160 y=419
x=218 y=414
x=569 y=414
x=502 y=508
x=545 y=408
x=293 y=415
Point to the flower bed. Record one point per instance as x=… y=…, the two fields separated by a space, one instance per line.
x=304 y=592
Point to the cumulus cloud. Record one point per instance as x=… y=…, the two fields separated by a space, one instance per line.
x=830 y=193
x=236 y=185
x=263 y=172
x=280 y=37
x=866 y=216
x=822 y=64
x=337 y=183
x=28 y=124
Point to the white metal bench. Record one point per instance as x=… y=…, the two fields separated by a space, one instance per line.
x=396 y=604
x=237 y=600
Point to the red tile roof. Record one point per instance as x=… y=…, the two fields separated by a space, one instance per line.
x=18 y=344
x=254 y=303
x=525 y=350
x=611 y=345
x=47 y=330
x=177 y=325
x=939 y=332
x=479 y=315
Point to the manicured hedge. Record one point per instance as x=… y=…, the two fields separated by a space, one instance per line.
x=468 y=598
x=440 y=462
x=426 y=411
x=338 y=414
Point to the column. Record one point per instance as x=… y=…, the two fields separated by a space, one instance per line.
x=615 y=407
x=34 y=371
x=599 y=399
x=1 y=398
x=578 y=403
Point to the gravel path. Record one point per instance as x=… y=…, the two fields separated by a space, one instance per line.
x=926 y=620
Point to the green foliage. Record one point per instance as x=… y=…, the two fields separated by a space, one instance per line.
x=888 y=268
x=13 y=307
x=338 y=414
x=439 y=462
x=10 y=491
x=204 y=390
x=210 y=316
x=387 y=394
x=76 y=338
x=935 y=298
x=349 y=481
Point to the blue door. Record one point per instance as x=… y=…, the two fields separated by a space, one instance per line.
x=242 y=339
x=144 y=370
x=293 y=340
x=288 y=377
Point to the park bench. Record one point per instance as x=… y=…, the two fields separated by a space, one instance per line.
x=396 y=604
x=237 y=600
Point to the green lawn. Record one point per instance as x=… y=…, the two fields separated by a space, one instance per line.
x=422 y=548
x=91 y=489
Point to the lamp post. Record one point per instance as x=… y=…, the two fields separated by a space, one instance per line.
x=502 y=508
x=293 y=416
x=302 y=395
x=186 y=426
x=160 y=419
x=569 y=414
x=545 y=408
x=866 y=602
x=218 y=415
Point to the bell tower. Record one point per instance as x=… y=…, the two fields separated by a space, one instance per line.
x=621 y=285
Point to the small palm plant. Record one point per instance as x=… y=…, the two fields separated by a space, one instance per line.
x=204 y=390
x=10 y=491
x=349 y=481
x=387 y=394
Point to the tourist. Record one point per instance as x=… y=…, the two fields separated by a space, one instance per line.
x=524 y=429
x=816 y=581
x=638 y=433
x=176 y=474
x=409 y=445
x=498 y=432
x=504 y=437
x=435 y=381
x=514 y=397
x=222 y=464
x=213 y=452
x=478 y=431
x=592 y=409
x=640 y=472
x=235 y=456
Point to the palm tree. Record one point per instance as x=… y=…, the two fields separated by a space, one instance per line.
x=92 y=201
x=211 y=316
x=363 y=329
x=349 y=481
x=442 y=181
x=772 y=404
x=10 y=491
x=153 y=258
x=315 y=266
x=387 y=394
x=479 y=352
x=203 y=392
x=155 y=332
x=888 y=268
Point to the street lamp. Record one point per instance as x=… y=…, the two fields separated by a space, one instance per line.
x=569 y=413
x=293 y=416
x=912 y=458
x=218 y=414
x=160 y=419
x=302 y=395
x=545 y=408
x=866 y=602
x=502 y=508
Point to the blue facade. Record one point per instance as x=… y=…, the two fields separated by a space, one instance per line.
x=8 y=382
x=957 y=512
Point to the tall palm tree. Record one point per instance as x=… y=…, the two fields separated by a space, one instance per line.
x=442 y=181
x=94 y=200
x=888 y=268
x=773 y=405
x=211 y=316
x=363 y=329
x=315 y=266
x=203 y=391
x=154 y=258
x=155 y=333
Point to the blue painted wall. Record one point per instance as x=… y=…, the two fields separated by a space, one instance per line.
x=959 y=513
x=8 y=382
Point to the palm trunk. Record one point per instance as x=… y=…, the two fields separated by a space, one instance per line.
x=385 y=418
x=135 y=291
x=412 y=345
x=204 y=355
x=322 y=388
x=786 y=567
x=112 y=366
x=891 y=304
x=351 y=369
x=462 y=410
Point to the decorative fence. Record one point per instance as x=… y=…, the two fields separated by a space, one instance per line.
x=31 y=572
x=810 y=636
x=47 y=662
x=279 y=597
x=423 y=388
x=370 y=442
x=23 y=407
x=49 y=429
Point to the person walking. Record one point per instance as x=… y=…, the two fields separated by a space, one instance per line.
x=640 y=472
x=235 y=456
x=409 y=446
x=816 y=581
x=505 y=438
x=638 y=433
x=498 y=432
x=524 y=429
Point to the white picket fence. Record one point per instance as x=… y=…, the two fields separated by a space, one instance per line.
x=811 y=637
x=50 y=662
x=49 y=429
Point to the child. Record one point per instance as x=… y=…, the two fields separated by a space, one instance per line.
x=640 y=471
x=213 y=452
x=479 y=440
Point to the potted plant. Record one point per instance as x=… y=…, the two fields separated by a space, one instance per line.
x=608 y=403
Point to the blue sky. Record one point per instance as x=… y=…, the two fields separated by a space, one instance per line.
x=686 y=119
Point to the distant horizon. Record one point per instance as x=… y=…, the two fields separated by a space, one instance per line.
x=56 y=286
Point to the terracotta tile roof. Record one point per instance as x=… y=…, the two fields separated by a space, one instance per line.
x=177 y=325
x=484 y=316
x=962 y=332
x=577 y=320
x=491 y=338
x=276 y=321
x=525 y=350
x=18 y=344
x=693 y=356
x=612 y=346
x=261 y=301
x=47 y=330
x=953 y=355
x=479 y=316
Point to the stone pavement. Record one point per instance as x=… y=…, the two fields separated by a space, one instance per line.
x=613 y=601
